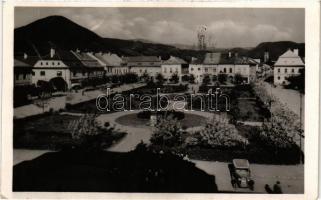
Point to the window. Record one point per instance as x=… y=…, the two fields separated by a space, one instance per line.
x=230 y=70
x=58 y=63
x=59 y=73
x=53 y=63
x=279 y=78
x=170 y=70
x=24 y=76
x=292 y=70
x=42 y=73
x=74 y=73
x=285 y=70
x=46 y=63
x=206 y=69
x=279 y=70
x=192 y=69
x=33 y=73
x=40 y=63
x=224 y=70
x=214 y=69
x=140 y=70
x=199 y=69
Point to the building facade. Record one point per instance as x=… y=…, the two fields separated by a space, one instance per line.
x=174 y=66
x=140 y=65
x=22 y=73
x=288 y=64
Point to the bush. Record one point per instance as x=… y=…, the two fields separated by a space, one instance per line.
x=218 y=133
x=168 y=132
x=222 y=78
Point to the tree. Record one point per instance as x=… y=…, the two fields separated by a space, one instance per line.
x=185 y=78
x=222 y=78
x=175 y=78
x=214 y=78
x=297 y=82
x=130 y=78
x=206 y=79
x=160 y=78
x=238 y=78
x=218 y=133
x=192 y=78
x=87 y=134
x=168 y=132
x=145 y=77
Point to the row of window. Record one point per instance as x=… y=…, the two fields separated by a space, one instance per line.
x=170 y=70
x=286 y=70
x=24 y=76
x=47 y=63
x=214 y=69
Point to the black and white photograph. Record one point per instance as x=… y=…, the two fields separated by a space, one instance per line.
x=159 y=100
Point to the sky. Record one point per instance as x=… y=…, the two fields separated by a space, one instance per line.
x=225 y=27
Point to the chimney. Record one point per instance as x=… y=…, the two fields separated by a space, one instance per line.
x=25 y=56
x=296 y=52
x=52 y=52
x=229 y=54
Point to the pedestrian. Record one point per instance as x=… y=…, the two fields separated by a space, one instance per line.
x=268 y=189
x=277 y=188
x=233 y=182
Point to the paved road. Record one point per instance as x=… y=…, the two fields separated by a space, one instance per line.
x=290 y=176
x=57 y=103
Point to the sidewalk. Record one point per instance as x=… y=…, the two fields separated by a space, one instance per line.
x=57 y=103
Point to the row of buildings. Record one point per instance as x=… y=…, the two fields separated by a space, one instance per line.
x=75 y=66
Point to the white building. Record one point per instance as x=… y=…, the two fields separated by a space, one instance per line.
x=174 y=65
x=61 y=64
x=113 y=63
x=140 y=65
x=217 y=63
x=288 y=64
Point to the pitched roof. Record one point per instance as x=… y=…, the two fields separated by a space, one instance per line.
x=87 y=60
x=18 y=63
x=142 y=59
x=174 y=61
x=109 y=59
x=31 y=60
x=289 y=58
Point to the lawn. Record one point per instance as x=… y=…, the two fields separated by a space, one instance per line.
x=49 y=131
x=190 y=120
x=136 y=171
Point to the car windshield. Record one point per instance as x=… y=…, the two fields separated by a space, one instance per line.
x=242 y=172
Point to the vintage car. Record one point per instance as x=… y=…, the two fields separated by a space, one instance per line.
x=241 y=173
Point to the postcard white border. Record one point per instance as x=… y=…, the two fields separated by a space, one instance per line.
x=312 y=41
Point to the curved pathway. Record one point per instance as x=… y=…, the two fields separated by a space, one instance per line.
x=135 y=134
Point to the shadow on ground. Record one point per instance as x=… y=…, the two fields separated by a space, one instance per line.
x=136 y=171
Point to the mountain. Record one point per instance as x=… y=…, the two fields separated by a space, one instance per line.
x=275 y=49
x=54 y=31
x=60 y=32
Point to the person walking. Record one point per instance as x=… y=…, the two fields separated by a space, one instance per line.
x=277 y=188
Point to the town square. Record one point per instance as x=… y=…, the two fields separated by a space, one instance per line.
x=154 y=100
